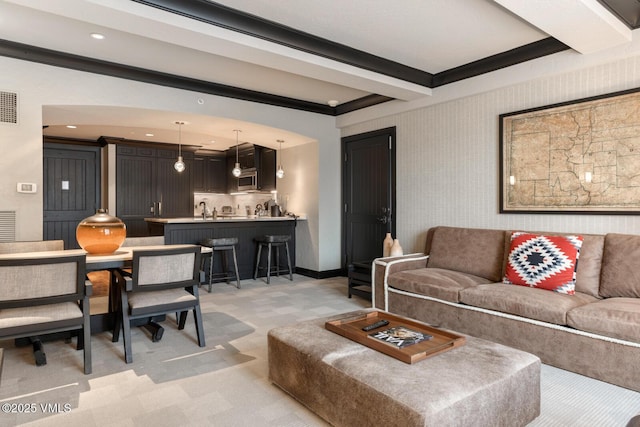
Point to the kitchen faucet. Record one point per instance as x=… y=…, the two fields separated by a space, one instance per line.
x=204 y=209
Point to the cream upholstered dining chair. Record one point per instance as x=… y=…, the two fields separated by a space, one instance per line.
x=44 y=295
x=33 y=246
x=129 y=242
x=162 y=281
x=154 y=328
x=143 y=241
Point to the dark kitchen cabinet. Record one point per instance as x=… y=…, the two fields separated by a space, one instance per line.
x=147 y=185
x=247 y=156
x=267 y=169
x=263 y=159
x=173 y=188
x=209 y=174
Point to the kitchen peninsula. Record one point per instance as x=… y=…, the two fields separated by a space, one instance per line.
x=195 y=229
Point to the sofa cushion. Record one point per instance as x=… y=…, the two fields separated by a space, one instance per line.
x=620 y=273
x=474 y=251
x=589 y=265
x=543 y=261
x=434 y=282
x=613 y=317
x=532 y=303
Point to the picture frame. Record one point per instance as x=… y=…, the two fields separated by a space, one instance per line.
x=580 y=156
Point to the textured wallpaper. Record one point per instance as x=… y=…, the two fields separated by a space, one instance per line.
x=448 y=157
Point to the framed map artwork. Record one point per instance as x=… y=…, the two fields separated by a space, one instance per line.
x=576 y=157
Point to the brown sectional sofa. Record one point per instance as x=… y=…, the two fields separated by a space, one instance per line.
x=457 y=284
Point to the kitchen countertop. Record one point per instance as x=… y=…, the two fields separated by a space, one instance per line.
x=198 y=219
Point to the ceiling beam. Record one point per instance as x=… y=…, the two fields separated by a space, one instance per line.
x=215 y=29
x=252 y=39
x=255 y=26
x=511 y=57
x=584 y=25
x=75 y=62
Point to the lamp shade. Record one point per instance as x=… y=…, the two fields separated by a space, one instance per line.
x=236 y=170
x=179 y=165
x=280 y=171
x=101 y=233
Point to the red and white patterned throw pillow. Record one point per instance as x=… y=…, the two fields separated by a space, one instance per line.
x=545 y=262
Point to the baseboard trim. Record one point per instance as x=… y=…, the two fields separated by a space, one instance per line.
x=326 y=274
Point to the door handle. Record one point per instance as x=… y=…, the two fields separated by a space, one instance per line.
x=386 y=216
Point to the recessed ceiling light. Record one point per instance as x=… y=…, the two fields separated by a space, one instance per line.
x=72 y=126
x=148 y=134
x=97 y=36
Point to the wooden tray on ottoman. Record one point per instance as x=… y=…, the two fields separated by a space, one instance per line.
x=440 y=341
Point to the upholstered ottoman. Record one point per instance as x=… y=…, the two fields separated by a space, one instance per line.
x=478 y=384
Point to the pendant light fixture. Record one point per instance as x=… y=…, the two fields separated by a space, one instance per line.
x=236 y=169
x=179 y=164
x=280 y=171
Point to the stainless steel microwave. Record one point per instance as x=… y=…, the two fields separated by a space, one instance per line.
x=248 y=180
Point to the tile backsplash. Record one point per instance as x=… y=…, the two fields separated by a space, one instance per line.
x=239 y=202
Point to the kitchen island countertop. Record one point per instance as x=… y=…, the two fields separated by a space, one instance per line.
x=193 y=230
x=199 y=220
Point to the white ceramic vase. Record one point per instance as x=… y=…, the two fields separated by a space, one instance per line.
x=396 y=249
x=386 y=245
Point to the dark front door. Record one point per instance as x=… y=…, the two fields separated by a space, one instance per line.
x=71 y=179
x=368 y=194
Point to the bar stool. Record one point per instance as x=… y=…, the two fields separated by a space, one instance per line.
x=273 y=241
x=222 y=245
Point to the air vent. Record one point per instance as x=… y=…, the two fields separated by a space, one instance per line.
x=8 y=107
x=7 y=226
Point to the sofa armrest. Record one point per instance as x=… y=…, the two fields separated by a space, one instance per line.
x=383 y=267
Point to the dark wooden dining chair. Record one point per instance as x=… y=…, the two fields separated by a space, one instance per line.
x=161 y=281
x=44 y=295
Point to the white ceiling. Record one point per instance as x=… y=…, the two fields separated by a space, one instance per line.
x=429 y=35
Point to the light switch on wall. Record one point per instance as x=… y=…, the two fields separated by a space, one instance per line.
x=26 y=187
x=65 y=185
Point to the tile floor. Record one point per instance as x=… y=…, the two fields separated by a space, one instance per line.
x=176 y=383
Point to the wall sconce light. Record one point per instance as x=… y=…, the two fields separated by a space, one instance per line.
x=512 y=180
x=280 y=171
x=236 y=169
x=179 y=164
x=588 y=177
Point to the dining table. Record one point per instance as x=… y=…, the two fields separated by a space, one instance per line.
x=97 y=262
